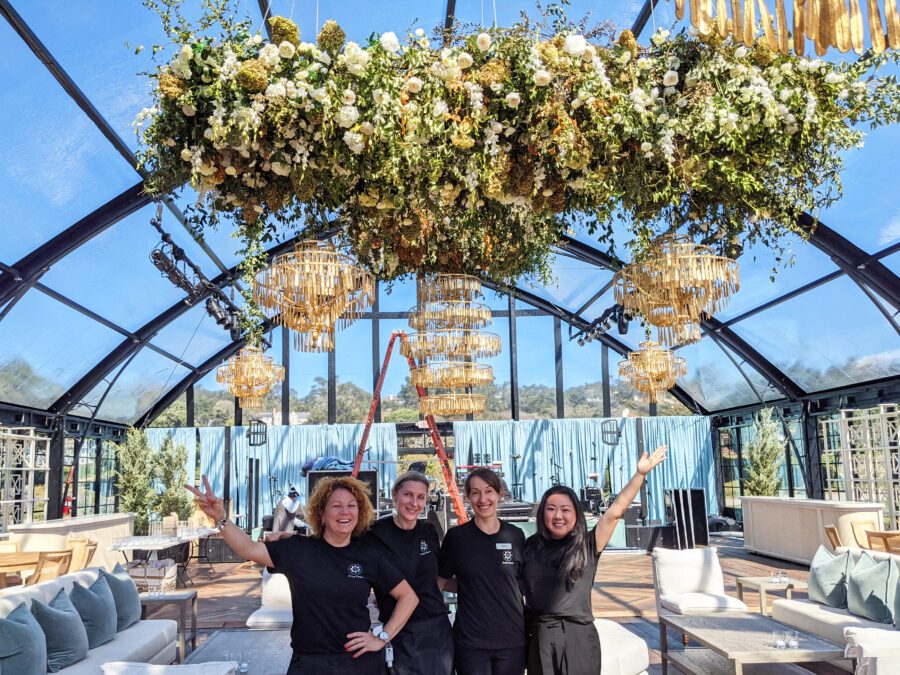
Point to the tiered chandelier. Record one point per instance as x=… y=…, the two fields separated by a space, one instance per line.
x=249 y=375
x=673 y=287
x=652 y=368
x=313 y=290
x=448 y=320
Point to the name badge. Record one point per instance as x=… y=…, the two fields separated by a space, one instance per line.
x=504 y=547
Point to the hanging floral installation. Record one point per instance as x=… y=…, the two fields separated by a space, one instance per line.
x=472 y=154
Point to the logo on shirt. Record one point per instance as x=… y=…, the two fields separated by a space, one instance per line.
x=507 y=557
x=355 y=571
x=424 y=549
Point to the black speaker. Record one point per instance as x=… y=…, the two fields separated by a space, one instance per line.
x=632 y=515
x=370 y=478
x=686 y=510
x=648 y=537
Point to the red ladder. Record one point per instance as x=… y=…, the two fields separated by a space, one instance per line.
x=455 y=497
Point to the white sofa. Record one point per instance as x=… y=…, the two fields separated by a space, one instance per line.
x=622 y=652
x=690 y=581
x=835 y=625
x=148 y=641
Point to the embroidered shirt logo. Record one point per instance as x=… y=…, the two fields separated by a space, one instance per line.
x=424 y=549
x=507 y=557
x=355 y=571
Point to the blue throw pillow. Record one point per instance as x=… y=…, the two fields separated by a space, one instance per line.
x=97 y=609
x=23 y=647
x=67 y=640
x=125 y=593
x=828 y=578
x=871 y=589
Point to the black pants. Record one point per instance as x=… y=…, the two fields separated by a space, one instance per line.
x=489 y=661
x=371 y=663
x=424 y=648
x=563 y=646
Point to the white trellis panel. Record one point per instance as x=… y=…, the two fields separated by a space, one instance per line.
x=24 y=466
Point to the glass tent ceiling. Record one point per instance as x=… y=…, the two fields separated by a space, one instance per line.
x=83 y=311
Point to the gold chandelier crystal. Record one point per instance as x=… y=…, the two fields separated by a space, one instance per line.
x=452 y=404
x=652 y=369
x=675 y=285
x=249 y=375
x=313 y=290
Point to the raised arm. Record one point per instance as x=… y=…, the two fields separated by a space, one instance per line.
x=234 y=536
x=604 y=530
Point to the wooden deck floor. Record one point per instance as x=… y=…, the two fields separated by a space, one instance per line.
x=623 y=591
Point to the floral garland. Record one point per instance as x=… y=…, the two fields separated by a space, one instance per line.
x=474 y=156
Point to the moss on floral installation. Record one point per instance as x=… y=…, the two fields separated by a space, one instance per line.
x=472 y=157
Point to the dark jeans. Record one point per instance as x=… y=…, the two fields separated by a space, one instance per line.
x=424 y=648
x=371 y=663
x=489 y=661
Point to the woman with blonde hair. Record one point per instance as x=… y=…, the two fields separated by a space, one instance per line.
x=330 y=575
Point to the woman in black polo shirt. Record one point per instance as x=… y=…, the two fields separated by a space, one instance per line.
x=558 y=571
x=484 y=557
x=425 y=646
x=330 y=575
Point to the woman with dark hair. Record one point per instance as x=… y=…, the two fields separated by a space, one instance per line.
x=483 y=557
x=560 y=563
x=425 y=647
x=330 y=575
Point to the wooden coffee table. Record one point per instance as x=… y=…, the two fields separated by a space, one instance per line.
x=764 y=584
x=735 y=642
x=267 y=652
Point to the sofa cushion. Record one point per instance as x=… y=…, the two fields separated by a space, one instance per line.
x=688 y=571
x=67 y=640
x=271 y=618
x=125 y=593
x=828 y=578
x=143 y=642
x=621 y=651
x=23 y=647
x=826 y=622
x=695 y=603
x=208 y=668
x=97 y=609
x=871 y=587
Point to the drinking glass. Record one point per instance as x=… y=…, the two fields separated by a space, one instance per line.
x=243 y=665
x=793 y=639
x=778 y=640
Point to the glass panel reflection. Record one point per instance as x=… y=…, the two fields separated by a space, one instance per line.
x=194 y=336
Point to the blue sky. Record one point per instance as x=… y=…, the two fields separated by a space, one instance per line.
x=56 y=167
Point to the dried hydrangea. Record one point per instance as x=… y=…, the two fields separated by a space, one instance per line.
x=331 y=37
x=284 y=30
x=253 y=76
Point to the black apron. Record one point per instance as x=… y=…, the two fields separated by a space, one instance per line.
x=562 y=645
x=370 y=663
x=424 y=648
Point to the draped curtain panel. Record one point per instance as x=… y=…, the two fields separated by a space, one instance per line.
x=186 y=436
x=212 y=456
x=535 y=454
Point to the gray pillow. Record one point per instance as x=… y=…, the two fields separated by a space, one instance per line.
x=23 y=647
x=67 y=640
x=97 y=609
x=125 y=593
x=828 y=578
x=871 y=588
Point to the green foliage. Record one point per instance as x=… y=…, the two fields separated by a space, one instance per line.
x=172 y=477
x=764 y=456
x=136 y=478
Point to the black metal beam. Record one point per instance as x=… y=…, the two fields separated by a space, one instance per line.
x=786 y=296
x=30 y=268
x=286 y=383
x=513 y=360
x=604 y=375
x=376 y=350
x=332 y=385
x=853 y=260
x=189 y=413
x=643 y=17
x=449 y=18
x=558 y=360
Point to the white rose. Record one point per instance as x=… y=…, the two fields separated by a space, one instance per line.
x=741 y=52
x=834 y=78
x=575 y=45
x=256 y=39
x=464 y=60
x=269 y=54
x=414 y=85
x=483 y=41
x=346 y=116
x=541 y=78
x=646 y=146
x=644 y=63
x=186 y=155
x=323 y=57
x=230 y=171
x=275 y=90
x=513 y=99
x=440 y=108
x=286 y=50
x=186 y=53
x=348 y=97
x=390 y=42
x=420 y=32
x=378 y=96
x=281 y=169
x=366 y=128
x=355 y=142
x=670 y=79
x=624 y=58
x=188 y=110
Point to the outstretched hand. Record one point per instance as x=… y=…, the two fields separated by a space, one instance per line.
x=211 y=505
x=647 y=462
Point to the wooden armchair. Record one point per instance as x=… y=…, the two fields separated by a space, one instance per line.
x=833 y=537
x=51 y=564
x=859 y=528
x=82 y=553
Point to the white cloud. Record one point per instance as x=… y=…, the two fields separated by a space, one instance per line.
x=890 y=232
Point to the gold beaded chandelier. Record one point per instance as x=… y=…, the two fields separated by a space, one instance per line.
x=652 y=369
x=249 y=375
x=674 y=285
x=313 y=290
x=448 y=320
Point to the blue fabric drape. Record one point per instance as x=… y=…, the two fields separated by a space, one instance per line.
x=212 y=456
x=186 y=436
x=568 y=451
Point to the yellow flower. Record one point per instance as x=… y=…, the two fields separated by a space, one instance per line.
x=284 y=30
x=171 y=86
x=253 y=76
